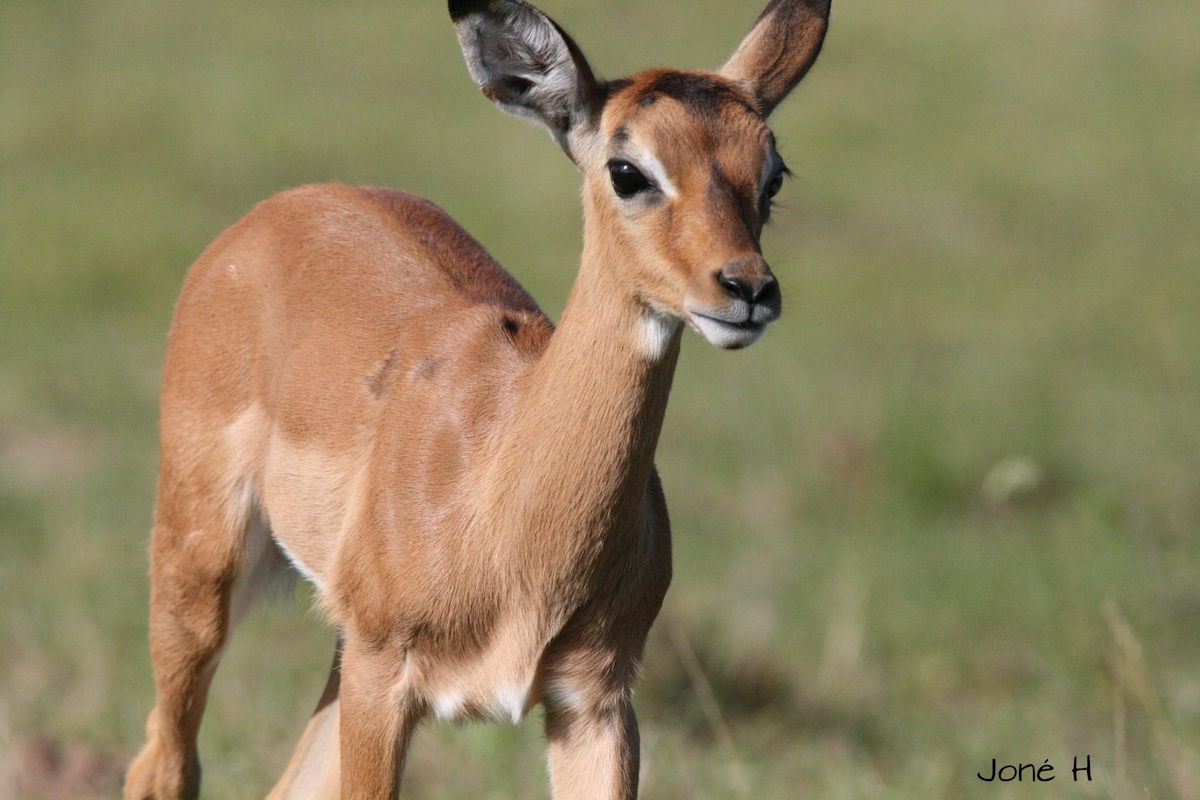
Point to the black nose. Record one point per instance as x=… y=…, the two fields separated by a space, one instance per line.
x=755 y=288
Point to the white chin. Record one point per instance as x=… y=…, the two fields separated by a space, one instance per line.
x=725 y=335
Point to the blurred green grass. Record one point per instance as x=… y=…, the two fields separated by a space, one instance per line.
x=989 y=258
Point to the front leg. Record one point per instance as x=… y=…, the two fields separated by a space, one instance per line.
x=593 y=745
x=377 y=717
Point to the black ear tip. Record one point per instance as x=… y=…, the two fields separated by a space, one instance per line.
x=461 y=8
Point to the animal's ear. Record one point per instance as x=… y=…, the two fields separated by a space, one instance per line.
x=526 y=64
x=779 y=50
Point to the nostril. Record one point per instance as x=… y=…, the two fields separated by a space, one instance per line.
x=768 y=291
x=762 y=289
x=736 y=286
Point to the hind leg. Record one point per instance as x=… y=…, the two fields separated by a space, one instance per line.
x=314 y=770
x=205 y=559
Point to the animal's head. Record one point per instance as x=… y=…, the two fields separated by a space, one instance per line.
x=679 y=166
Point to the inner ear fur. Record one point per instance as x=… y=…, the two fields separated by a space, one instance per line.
x=779 y=50
x=526 y=64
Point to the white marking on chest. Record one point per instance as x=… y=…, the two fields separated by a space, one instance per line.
x=506 y=704
x=509 y=704
x=449 y=706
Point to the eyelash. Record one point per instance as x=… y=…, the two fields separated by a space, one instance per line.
x=767 y=202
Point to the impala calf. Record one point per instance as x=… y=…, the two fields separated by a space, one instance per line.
x=356 y=391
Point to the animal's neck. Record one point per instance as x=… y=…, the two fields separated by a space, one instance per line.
x=578 y=453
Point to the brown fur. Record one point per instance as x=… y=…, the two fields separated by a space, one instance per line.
x=353 y=384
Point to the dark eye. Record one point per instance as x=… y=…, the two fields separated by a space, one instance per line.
x=627 y=180
x=776 y=184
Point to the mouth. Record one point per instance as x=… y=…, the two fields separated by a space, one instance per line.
x=725 y=334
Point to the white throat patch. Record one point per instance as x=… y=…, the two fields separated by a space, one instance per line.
x=656 y=331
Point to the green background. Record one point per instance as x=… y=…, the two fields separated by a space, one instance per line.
x=946 y=511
